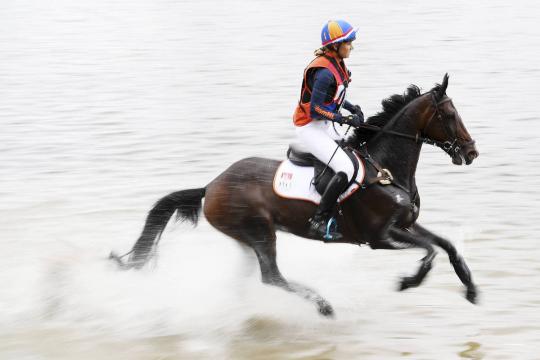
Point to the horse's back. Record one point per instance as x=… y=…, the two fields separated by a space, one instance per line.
x=247 y=172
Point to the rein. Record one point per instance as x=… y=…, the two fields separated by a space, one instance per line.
x=450 y=147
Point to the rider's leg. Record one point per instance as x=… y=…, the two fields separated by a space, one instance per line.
x=319 y=221
x=316 y=138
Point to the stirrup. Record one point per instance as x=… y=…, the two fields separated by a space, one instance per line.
x=331 y=223
x=325 y=229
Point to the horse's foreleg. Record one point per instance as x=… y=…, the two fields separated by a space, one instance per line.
x=410 y=240
x=460 y=267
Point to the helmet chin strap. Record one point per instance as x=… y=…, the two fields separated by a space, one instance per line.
x=335 y=47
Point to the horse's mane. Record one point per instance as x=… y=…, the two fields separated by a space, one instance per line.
x=391 y=106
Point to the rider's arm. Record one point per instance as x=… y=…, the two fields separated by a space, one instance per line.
x=323 y=80
x=348 y=106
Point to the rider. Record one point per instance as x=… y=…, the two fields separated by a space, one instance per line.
x=325 y=82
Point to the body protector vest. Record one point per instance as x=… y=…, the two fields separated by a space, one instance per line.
x=302 y=114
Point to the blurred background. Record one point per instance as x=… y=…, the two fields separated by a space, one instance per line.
x=106 y=106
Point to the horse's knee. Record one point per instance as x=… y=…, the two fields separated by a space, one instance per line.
x=451 y=250
x=431 y=253
x=446 y=246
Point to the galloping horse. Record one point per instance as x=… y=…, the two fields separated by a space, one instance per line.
x=241 y=201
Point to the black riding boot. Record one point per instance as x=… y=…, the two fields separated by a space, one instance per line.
x=319 y=226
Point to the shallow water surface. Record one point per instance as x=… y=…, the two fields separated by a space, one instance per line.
x=108 y=105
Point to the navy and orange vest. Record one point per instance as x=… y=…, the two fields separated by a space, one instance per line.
x=342 y=76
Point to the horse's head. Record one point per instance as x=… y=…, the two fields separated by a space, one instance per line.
x=442 y=123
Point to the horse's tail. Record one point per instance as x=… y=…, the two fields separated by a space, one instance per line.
x=186 y=204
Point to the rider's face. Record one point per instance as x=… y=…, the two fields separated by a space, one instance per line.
x=344 y=49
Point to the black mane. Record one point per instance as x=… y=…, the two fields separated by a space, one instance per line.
x=391 y=106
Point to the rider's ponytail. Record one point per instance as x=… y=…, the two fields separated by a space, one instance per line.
x=320 y=51
x=325 y=50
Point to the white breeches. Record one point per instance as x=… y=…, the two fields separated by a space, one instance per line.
x=318 y=136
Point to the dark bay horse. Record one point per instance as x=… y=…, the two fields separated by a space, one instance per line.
x=241 y=202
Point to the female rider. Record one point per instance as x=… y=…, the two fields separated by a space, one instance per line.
x=325 y=82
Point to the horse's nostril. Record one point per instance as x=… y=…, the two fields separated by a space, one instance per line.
x=472 y=154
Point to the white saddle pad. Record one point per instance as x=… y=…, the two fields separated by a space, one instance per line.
x=294 y=182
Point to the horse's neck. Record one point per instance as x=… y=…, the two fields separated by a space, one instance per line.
x=398 y=154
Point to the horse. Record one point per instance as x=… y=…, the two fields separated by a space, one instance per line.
x=241 y=202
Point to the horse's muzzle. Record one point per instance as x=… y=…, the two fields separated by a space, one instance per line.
x=469 y=152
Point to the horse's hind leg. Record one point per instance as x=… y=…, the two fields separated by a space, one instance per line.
x=460 y=267
x=272 y=276
x=262 y=238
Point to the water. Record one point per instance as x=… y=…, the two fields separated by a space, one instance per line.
x=108 y=105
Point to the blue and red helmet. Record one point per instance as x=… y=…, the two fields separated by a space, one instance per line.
x=336 y=31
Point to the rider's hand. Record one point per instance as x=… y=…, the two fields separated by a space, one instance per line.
x=357 y=110
x=354 y=120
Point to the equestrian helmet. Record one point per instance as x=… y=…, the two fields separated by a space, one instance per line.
x=336 y=31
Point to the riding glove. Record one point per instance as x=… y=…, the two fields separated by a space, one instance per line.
x=356 y=109
x=353 y=120
x=353 y=109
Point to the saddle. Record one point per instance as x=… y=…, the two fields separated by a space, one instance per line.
x=300 y=156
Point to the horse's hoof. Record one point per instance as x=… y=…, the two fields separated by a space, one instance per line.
x=118 y=260
x=114 y=257
x=325 y=309
x=471 y=295
x=405 y=283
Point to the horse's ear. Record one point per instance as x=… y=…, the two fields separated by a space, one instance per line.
x=444 y=85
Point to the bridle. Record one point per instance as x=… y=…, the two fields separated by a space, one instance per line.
x=451 y=147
